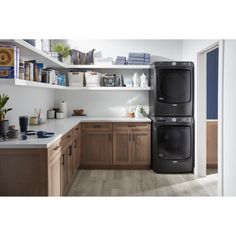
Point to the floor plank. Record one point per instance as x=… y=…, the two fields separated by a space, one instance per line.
x=141 y=183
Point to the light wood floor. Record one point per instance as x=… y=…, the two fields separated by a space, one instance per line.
x=141 y=183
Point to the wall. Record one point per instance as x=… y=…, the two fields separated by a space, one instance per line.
x=229 y=124
x=159 y=49
x=212 y=84
x=25 y=100
x=107 y=103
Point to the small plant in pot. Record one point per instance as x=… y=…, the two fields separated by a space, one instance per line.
x=63 y=51
x=4 y=124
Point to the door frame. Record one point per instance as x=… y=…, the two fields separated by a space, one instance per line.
x=201 y=113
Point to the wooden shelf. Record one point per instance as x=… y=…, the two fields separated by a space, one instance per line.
x=26 y=83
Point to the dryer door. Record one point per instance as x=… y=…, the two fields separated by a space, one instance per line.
x=173 y=142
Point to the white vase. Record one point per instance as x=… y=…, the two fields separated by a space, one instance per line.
x=66 y=60
x=144 y=80
x=136 y=82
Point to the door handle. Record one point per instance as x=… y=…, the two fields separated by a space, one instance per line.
x=110 y=137
x=133 y=138
x=76 y=143
x=70 y=150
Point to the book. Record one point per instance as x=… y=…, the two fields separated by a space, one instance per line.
x=9 y=62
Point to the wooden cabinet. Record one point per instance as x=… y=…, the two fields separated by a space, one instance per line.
x=96 y=143
x=54 y=187
x=117 y=144
x=131 y=144
x=212 y=147
x=76 y=147
x=122 y=146
x=64 y=171
x=141 y=148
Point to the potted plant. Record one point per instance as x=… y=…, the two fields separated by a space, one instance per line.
x=4 y=124
x=63 y=51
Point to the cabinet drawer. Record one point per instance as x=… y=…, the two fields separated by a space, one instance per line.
x=97 y=126
x=76 y=129
x=132 y=126
x=66 y=139
x=54 y=149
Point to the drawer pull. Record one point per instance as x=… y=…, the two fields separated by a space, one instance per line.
x=56 y=148
x=110 y=137
x=132 y=126
x=77 y=129
x=129 y=137
x=97 y=126
x=63 y=157
x=68 y=136
x=75 y=143
x=70 y=151
x=133 y=138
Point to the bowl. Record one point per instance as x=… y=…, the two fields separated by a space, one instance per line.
x=78 y=112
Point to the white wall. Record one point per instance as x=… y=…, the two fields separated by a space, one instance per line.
x=110 y=103
x=229 y=114
x=163 y=49
x=25 y=100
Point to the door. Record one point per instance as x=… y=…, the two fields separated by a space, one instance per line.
x=174 y=86
x=64 y=171
x=173 y=142
x=54 y=188
x=122 y=147
x=97 y=148
x=141 y=146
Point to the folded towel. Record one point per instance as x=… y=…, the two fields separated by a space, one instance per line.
x=120 y=58
x=139 y=55
x=137 y=63
x=120 y=63
x=138 y=59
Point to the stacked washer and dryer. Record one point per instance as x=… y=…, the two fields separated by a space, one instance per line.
x=171 y=102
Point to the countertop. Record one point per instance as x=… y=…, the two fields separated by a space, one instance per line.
x=60 y=127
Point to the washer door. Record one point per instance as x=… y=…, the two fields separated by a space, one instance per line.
x=174 y=142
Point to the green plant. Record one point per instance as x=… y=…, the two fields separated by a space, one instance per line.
x=64 y=51
x=3 y=111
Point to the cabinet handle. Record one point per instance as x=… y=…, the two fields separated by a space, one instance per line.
x=56 y=148
x=97 y=126
x=110 y=137
x=63 y=156
x=132 y=126
x=75 y=143
x=68 y=136
x=70 y=150
x=129 y=137
x=77 y=129
x=133 y=138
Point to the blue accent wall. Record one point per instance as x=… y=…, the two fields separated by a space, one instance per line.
x=212 y=84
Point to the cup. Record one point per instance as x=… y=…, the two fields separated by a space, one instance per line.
x=23 y=122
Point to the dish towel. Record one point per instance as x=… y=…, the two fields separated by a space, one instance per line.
x=120 y=60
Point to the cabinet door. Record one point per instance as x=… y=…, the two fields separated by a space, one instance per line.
x=141 y=148
x=54 y=188
x=212 y=148
x=70 y=161
x=97 y=148
x=76 y=150
x=64 y=171
x=122 y=147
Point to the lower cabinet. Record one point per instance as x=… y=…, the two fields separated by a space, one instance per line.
x=54 y=186
x=64 y=171
x=123 y=144
x=141 y=148
x=122 y=147
x=97 y=148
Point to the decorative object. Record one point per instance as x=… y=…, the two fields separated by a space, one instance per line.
x=78 y=112
x=33 y=120
x=60 y=115
x=131 y=114
x=76 y=79
x=138 y=112
x=51 y=114
x=93 y=79
x=81 y=58
x=136 y=81
x=64 y=52
x=63 y=108
x=4 y=124
x=39 y=113
x=144 y=80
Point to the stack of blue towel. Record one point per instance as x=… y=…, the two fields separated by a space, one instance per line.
x=139 y=58
x=120 y=60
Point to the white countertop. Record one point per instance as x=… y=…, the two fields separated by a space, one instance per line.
x=59 y=127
